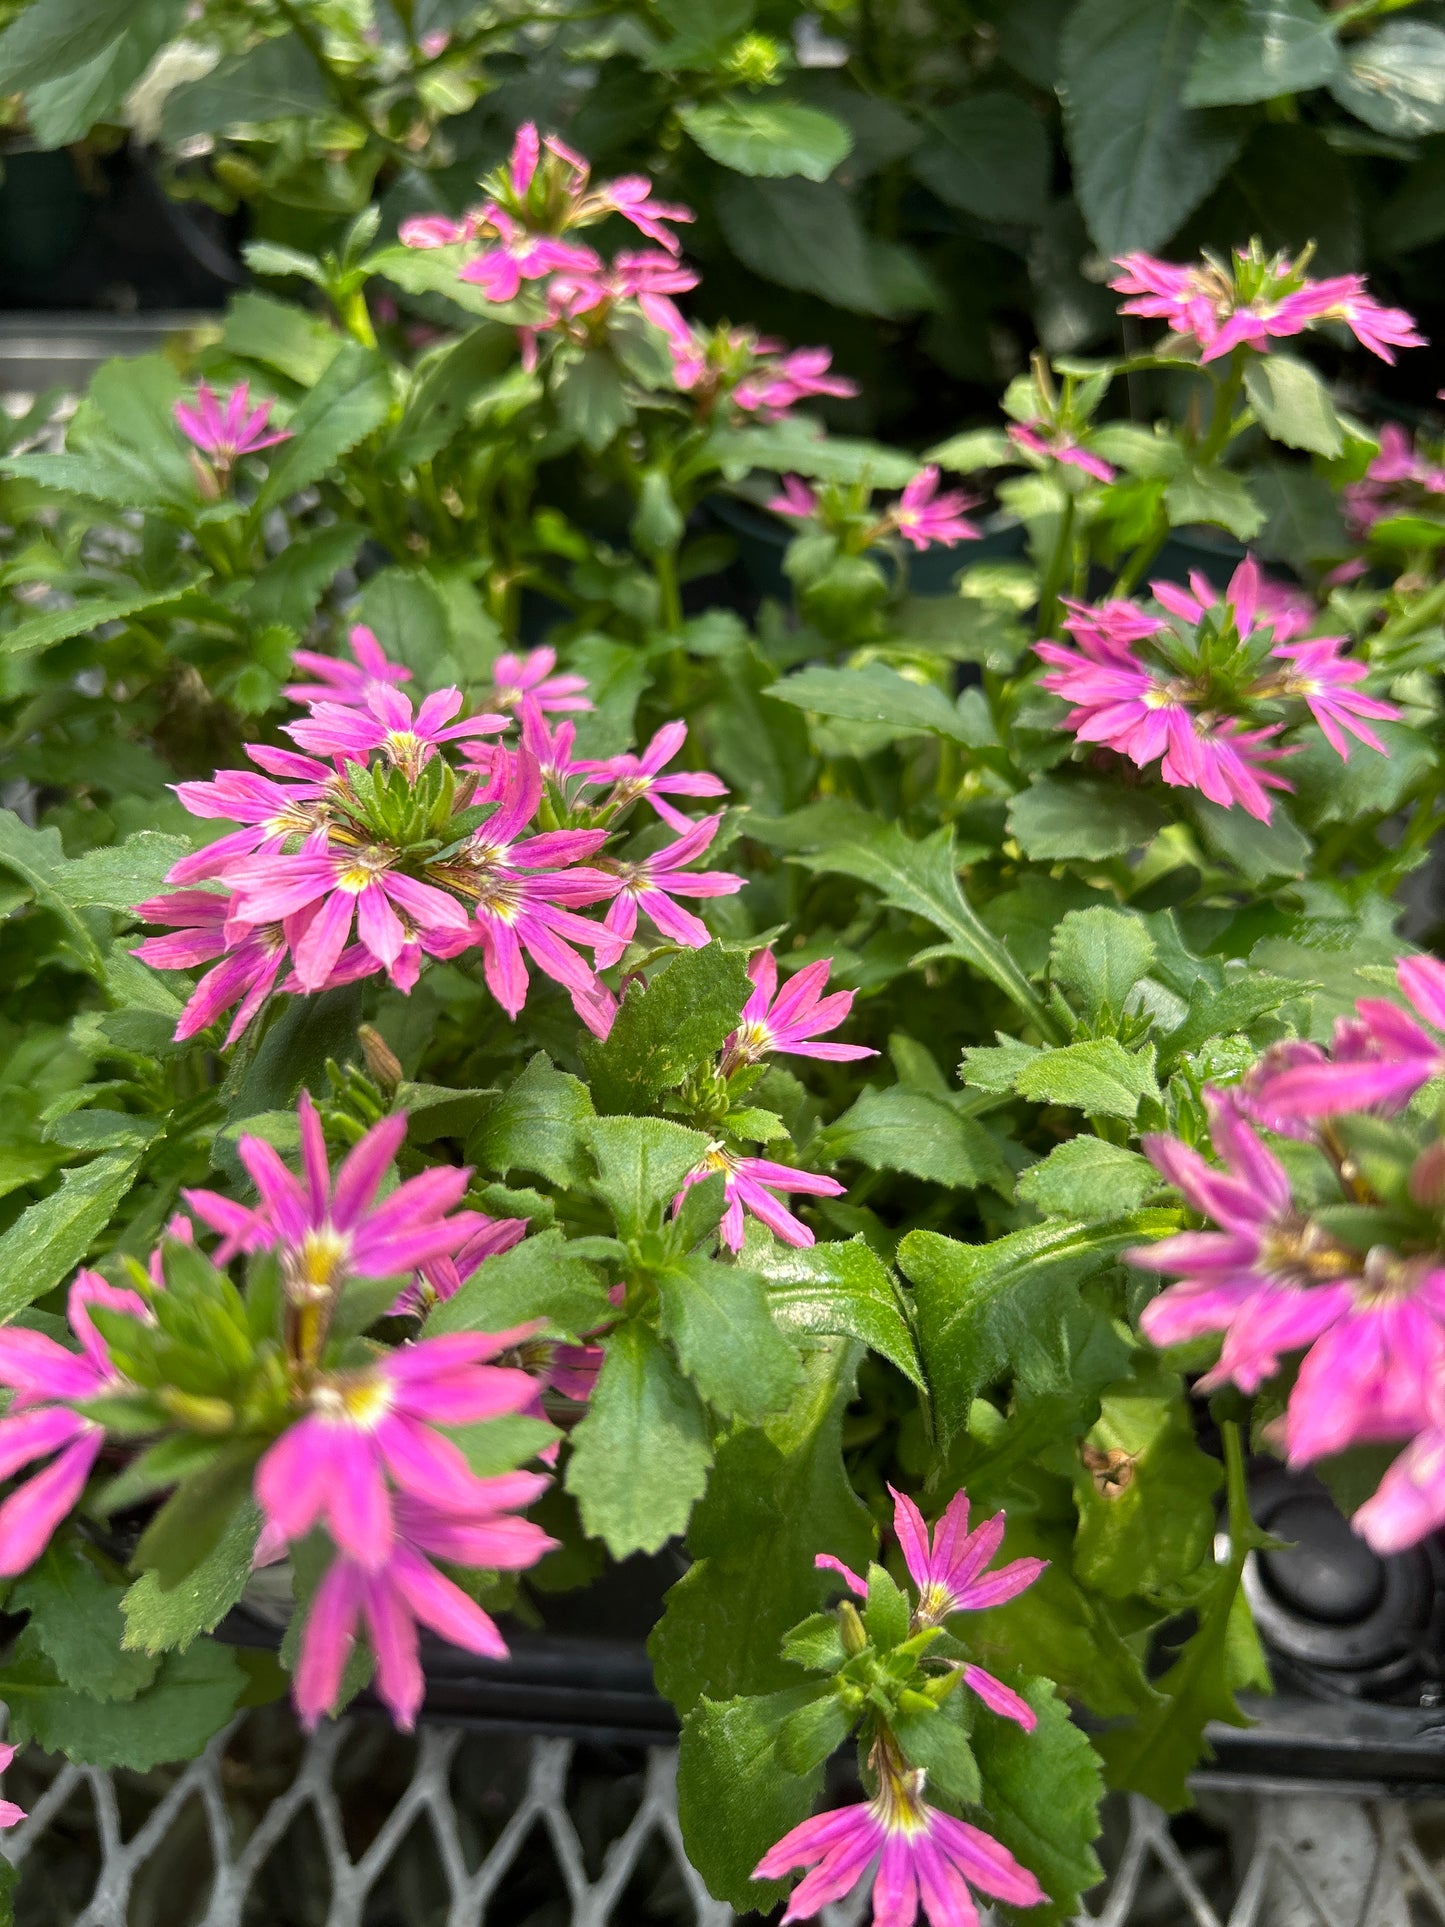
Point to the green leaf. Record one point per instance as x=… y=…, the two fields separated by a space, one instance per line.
x=350 y=401
x=922 y=879
x=436 y=409
x=1258 y=49
x=1214 y=495
x=536 y=1125
x=886 y=1613
x=1143 y=161
x=60 y=625
x=54 y=37
x=875 y=694
x=276 y=80
x=640 y=1457
x=717 y=1318
x=778 y=1495
x=288 y=588
x=1089 y=1179
x=192 y=1697
x=734 y=1797
x=1257 y=850
x=990 y=157
x=279 y=335
x=49 y=1239
x=1098 y=1076
x=538 y=1278
x=667 y=1028
x=1293 y=404
x=901 y=1130
x=1394 y=79
x=797 y=445
x=641 y=1165
x=1100 y=955
x=1041 y=1794
x=66 y=108
x=1216 y=1013
x=809 y=1737
x=840 y=1288
x=591 y=398
x=804 y=235
x=988 y=1310
x=1152 y=1531
x=75 y=1619
x=937 y=1742
x=197 y=1516
x=120 y=875
x=1081 y=816
x=157 y=1621
x=38 y=858
x=757 y=135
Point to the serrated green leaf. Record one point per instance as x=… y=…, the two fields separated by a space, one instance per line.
x=875 y=694
x=1100 y=955
x=1081 y=816
x=840 y=1288
x=641 y=1165
x=349 y=402
x=192 y=1697
x=667 y=1028
x=640 y=1457
x=75 y=1619
x=1394 y=79
x=1088 y=1179
x=157 y=1621
x=1041 y=1795
x=120 y=875
x=902 y=1130
x=1259 y=49
x=1096 y=1076
x=81 y=618
x=990 y=156
x=538 y=1278
x=717 y=1318
x=536 y=1125
x=1293 y=405
x=1214 y=495
x=809 y=1736
x=1142 y=159
x=937 y=1743
x=274 y=80
x=734 y=1798
x=49 y=1239
x=758 y=135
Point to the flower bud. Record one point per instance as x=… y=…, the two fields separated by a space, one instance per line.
x=855 y=1639
x=381 y=1059
x=195 y=1412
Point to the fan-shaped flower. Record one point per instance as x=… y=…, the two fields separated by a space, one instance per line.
x=790 y=1019
x=749 y=1184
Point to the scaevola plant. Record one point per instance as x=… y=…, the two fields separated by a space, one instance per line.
x=592 y=965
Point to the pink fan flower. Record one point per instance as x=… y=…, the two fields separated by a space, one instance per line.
x=631 y=196
x=268 y=811
x=1049 y=443
x=776 y=384
x=341 y=885
x=385 y=720
x=1251 y=300
x=338 y=681
x=47 y=1380
x=1389 y=483
x=327 y=1233
x=439 y=230
x=795 y=500
x=651 y=885
x=1409 y=1503
x=522 y=256
x=10 y=1814
x=249 y=964
x=916 y=1856
x=226 y=433
x=442 y=1277
x=536 y=915
x=636 y=776
x=1253 y=600
x=749 y=1184
x=790 y=1019
x=950 y=1577
x=551 y=750
x=643 y=276
x=406 y=1590
x=922 y=516
x=1326 y=681
x=369 y=1431
x=1380 y=1057
x=517 y=677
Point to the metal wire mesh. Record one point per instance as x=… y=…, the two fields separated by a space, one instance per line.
x=358 y=1828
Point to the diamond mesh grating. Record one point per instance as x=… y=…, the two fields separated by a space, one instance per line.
x=358 y=1828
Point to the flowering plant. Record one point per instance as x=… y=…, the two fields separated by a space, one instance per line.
x=525 y=1046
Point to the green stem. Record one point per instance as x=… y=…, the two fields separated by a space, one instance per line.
x=1057 y=571
x=1221 y=420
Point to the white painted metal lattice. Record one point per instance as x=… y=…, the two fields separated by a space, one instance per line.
x=357 y=1828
